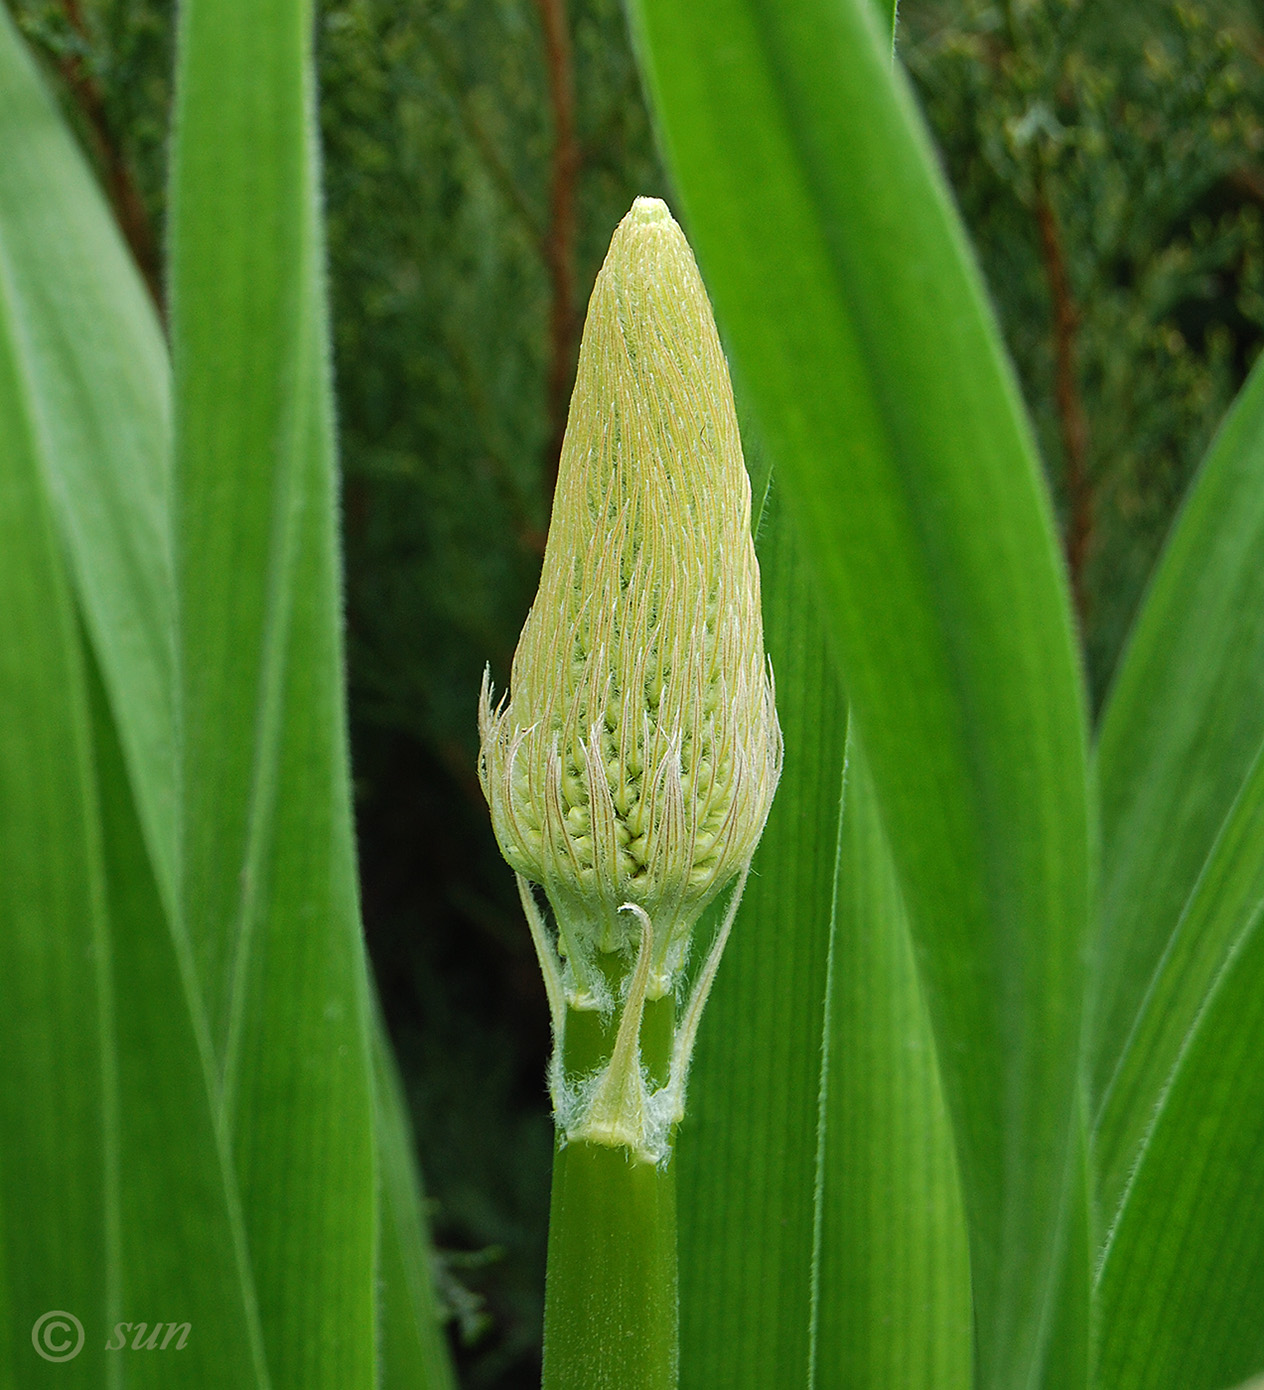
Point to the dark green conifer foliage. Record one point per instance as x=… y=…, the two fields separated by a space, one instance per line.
x=1109 y=162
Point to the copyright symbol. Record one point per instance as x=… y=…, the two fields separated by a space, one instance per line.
x=52 y=1336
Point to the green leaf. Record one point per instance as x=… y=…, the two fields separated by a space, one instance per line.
x=182 y=1255
x=1222 y=911
x=58 y=1103
x=888 y=12
x=894 y=1296
x=413 y=1351
x=1183 y=1278
x=100 y=402
x=1181 y=1273
x=747 y=1151
x=1183 y=721
x=1069 y=1358
x=269 y=887
x=785 y=1172
x=1181 y=769
x=115 y=1197
x=860 y=328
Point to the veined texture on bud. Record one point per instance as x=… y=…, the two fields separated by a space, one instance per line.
x=634 y=759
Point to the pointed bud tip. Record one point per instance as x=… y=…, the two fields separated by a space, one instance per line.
x=649 y=243
x=645 y=210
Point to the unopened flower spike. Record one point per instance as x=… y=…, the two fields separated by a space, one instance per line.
x=630 y=768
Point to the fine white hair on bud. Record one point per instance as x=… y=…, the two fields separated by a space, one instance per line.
x=632 y=764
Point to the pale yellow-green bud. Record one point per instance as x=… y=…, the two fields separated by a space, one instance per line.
x=631 y=767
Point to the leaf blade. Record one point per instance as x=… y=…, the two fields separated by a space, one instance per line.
x=1179 y=765
x=748 y=1149
x=100 y=398
x=54 y=999
x=414 y=1352
x=1221 y=912
x=894 y=1307
x=182 y=1255
x=138 y=1166
x=1184 y=1273
x=269 y=872
x=1184 y=717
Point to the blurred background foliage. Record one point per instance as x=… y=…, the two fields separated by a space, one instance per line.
x=1109 y=162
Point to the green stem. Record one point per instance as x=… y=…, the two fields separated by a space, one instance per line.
x=610 y=1301
x=610 y=1312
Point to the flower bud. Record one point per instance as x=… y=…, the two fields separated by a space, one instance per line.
x=634 y=760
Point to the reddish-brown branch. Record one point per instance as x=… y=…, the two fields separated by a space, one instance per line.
x=1074 y=425
x=559 y=244
x=120 y=187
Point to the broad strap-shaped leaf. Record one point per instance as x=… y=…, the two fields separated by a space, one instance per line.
x=748 y=1149
x=58 y=1108
x=1183 y=721
x=181 y=1244
x=1179 y=765
x=413 y=1352
x=1181 y=1269
x=1223 y=910
x=860 y=328
x=894 y=1307
x=888 y=12
x=100 y=402
x=115 y=1199
x=1070 y=1345
x=822 y=1238
x=1183 y=1278
x=269 y=887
